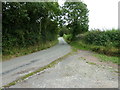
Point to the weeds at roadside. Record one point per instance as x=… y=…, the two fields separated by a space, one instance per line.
x=24 y=51
x=104 y=58
x=82 y=46
x=91 y=63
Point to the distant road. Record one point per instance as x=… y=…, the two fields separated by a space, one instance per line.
x=17 y=67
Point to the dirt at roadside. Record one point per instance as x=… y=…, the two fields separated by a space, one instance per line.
x=89 y=56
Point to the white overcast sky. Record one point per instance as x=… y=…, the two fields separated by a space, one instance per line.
x=103 y=14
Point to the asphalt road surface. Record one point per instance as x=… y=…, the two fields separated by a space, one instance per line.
x=74 y=72
x=17 y=67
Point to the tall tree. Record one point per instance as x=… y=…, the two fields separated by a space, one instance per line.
x=29 y=23
x=76 y=15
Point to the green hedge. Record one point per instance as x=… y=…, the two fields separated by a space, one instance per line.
x=102 y=38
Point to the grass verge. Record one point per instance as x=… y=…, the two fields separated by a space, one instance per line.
x=99 y=49
x=39 y=70
x=15 y=52
x=104 y=58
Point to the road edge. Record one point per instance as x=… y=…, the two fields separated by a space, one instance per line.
x=50 y=65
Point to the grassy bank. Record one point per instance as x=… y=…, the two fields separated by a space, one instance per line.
x=110 y=51
x=106 y=43
x=82 y=46
x=15 y=52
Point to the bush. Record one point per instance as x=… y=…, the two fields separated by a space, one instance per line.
x=109 y=38
x=105 y=42
x=68 y=38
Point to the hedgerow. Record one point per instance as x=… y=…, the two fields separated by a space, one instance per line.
x=102 y=38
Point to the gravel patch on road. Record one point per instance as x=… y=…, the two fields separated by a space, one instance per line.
x=73 y=72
